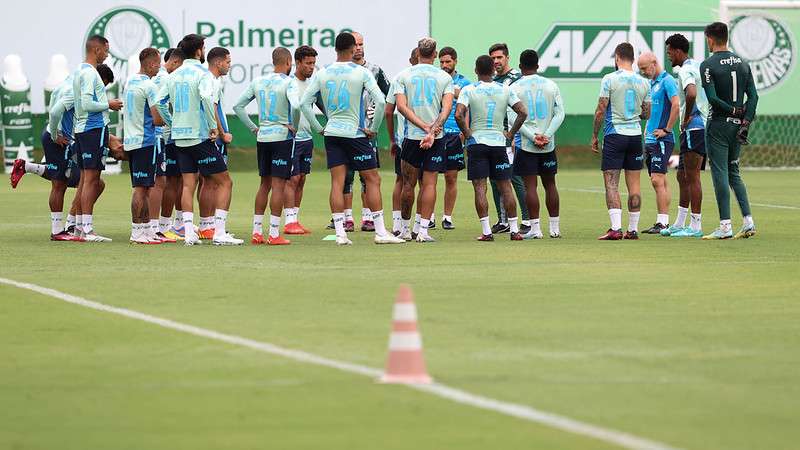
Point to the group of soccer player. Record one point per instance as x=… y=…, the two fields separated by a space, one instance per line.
x=501 y=128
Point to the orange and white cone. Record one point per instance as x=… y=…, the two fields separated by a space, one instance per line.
x=405 y=364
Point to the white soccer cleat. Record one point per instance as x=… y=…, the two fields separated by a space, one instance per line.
x=192 y=239
x=227 y=239
x=94 y=237
x=533 y=235
x=343 y=240
x=406 y=235
x=426 y=238
x=389 y=238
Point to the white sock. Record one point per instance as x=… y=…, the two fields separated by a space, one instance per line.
x=366 y=215
x=555 y=225
x=696 y=222
x=417 y=220
x=188 y=222
x=748 y=221
x=380 y=227
x=447 y=218
x=485 y=227
x=348 y=215
x=526 y=222
x=536 y=226
x=513 y=223
x=680 y=221
x=56 y=222
x=274 y=226
x=38 y=169
x=397 y=221
x=423 y=227
x=136 y=231
x=663 y=219
x=406 y=224
x=725 y=225
x=79 y=223
x=433 y=217
x=88 y=223
x=633 y=221
x=178 y=222
x=206 y=223
x=70 y=220
x=220 y=217
x=164 y=223
x=338 y=224
x=152 y=228
x=616 y=218
x=258 y=221
x=291 y=216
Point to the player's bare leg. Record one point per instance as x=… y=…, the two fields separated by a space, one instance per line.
x=262 y=198
x=410 y=179
x=450 y=195
x=553 y=203
x=510 y=206
x=482 y=208
x=633 y=183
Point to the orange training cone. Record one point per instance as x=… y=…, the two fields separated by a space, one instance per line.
x=405 y=364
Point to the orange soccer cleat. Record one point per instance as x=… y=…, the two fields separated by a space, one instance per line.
x=208 y=234
x=293 y=228
x=258 y=239
x=278 y=240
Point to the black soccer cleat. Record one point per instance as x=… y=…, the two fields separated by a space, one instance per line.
x=447 y=225
x=500 y=227
x=655 y=229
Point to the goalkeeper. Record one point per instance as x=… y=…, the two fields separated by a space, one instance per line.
x=731 y=92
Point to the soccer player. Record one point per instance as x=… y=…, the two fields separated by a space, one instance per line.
x=694 y=110
x=424 y=96
x=347 y=140
x=487 y=101
x=659 y=141
x=624 y=101
x=728 y=83
x=305 y=58
x=278 y=119
x=537 y=141
x=396 y=136
x=173 y=58
x=141 y=118
x=91 y=129
x=453 y=140
x=505 y=75
x=190 y=92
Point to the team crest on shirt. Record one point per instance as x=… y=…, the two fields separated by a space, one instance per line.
x=128 y=30
x=767 y=45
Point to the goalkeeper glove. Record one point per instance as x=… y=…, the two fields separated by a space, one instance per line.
x=744 y=130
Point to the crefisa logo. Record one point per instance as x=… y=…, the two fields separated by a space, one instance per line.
x=128 y=30
x=767 y=45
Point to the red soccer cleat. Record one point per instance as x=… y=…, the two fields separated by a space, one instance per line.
x=516 y=237
x=293 y=228
x=207 y=234
x=17 y=172
x=611 y=235
x=278 y=240
x=258 y=239
x=631 y=235
x=485 y=238
x=349 y=226
x=64 y=236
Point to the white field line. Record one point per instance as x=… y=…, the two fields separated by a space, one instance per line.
x=618 y=438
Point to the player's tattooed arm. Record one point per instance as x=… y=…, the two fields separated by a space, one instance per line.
x=447 y=106
x=522 y=116
x=611 y=179
x=461 y=120
x=599 y=114
x=646 y=108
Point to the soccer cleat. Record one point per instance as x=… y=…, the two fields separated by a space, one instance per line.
x=746 y=232
x=631 y=235
x=165 y=239
x=278 y=240
x=406 y=236
x=63 y=236
x=516 y=237
x=257 y=239
x=555 y=235
x=524 y=229
x=179 y=232
x=687 y=232
x=343 y=240
x=656 y=228
x=611 y=235
x=431 y=225
x=293 y=228
x=171 y=235
x=192 y=239
x=500 y=227
x=305 y=230
x=17 y=172
x=367 y=225
x=533 y=235
x=144 y=240
x=227 y=239
x=414 y=236
x=425 y=238
x=349 y=226
x=388 y=238
x=670 y=230
x=94 y=237
x=718 y=234
x=330 y=226
x=206 y=234
x=447 y=225
x=485 y=238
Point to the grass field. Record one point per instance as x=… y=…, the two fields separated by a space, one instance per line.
x=693 y=344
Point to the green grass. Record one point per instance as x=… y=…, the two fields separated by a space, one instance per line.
x=690 y=343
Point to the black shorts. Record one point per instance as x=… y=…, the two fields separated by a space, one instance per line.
x=487 y=161
x=161 y=158
x=203 y=157
x=303 y=153
x=430 y=160
x=55 y=157
x=73 y=172
x=357 y=153
x=657 y=156
x=171 y=160
x=693 y=141
x=622 y=152
x=275 y=158
x=527 y=163
x=142 y=163
x=454 y=151
x=92 y=148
